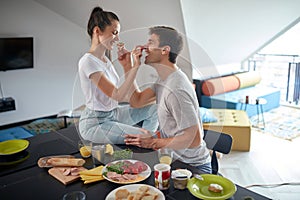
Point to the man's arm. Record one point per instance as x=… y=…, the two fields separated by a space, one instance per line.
x=183 y=111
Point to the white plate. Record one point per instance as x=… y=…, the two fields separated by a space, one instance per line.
x=142 y=176
x=134 y=187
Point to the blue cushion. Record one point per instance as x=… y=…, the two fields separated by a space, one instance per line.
x=230 y=100
x=14 y=133
x=207 y=115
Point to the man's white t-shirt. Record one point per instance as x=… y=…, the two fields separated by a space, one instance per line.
x=178 y=110
x=95 y=99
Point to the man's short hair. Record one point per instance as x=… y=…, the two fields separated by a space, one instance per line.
x=170 y=37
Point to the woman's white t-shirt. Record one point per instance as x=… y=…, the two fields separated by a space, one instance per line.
x=95 y=99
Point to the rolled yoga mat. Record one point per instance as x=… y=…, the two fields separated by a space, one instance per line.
x=248 y=79
x=220 y=85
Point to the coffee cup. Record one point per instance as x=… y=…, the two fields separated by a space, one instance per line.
x=162 y=174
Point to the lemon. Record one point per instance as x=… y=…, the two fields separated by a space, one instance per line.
x=85 y=151
x=109 y=149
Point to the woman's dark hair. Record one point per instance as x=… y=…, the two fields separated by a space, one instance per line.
x=100 y=18
x=170 y=37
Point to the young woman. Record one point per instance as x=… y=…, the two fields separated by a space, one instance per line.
x=104 y=120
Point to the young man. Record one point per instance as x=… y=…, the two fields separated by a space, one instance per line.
x=180 y=126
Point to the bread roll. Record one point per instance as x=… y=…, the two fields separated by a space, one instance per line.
x=122 y=194
x=66 y=162
x=215 y=188
x=149 y=197
x=144 y=188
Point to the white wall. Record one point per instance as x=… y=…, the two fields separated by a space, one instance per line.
x=136 y=16
x=219 y=33
x=59 y=29
x=229 y=31
x=47 y=88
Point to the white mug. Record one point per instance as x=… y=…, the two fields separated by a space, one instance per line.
x=162 y=174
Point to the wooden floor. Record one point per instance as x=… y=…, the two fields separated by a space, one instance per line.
x=270 y=161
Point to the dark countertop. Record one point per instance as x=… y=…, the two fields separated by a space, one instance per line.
x=25 y=180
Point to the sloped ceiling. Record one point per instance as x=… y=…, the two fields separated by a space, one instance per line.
x=77 y=11
x=136 y=16
x=228 y=31
x=232 y=30
x=133 y=14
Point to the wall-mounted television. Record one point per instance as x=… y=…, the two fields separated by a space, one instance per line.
x=16 y=53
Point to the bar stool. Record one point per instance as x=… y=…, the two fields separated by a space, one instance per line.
x=259 y=102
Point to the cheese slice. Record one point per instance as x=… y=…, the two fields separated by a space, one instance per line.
x=92 y=175
x=87 y=177
x=93 y=180
x=95 y=171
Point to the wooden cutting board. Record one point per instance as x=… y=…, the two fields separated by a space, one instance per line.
x=57 y=172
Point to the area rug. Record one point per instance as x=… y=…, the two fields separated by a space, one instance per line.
x=282 y=122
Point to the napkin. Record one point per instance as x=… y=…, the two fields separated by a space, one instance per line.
x=92 y=175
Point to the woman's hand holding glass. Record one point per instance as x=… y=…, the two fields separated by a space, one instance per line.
x=124 y=57
x=136 y=55
x=129 y=59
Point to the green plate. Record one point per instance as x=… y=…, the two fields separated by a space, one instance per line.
x=13 y=146
x=199 y=188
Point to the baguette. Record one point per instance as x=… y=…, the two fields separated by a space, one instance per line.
x=42 y=162
x=66 y=162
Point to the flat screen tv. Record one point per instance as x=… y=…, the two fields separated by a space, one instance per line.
x=16 y=53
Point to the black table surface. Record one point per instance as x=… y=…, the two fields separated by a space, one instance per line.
x=25 y=180
x=48 y=144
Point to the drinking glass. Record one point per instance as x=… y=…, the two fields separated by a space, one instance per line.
x=84 y=148
x=74 y=195
x=98 y=154
x=165 y=156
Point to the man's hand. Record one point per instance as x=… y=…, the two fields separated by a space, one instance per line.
x=145 y=140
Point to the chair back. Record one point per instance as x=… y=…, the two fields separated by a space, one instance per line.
x=217 y=142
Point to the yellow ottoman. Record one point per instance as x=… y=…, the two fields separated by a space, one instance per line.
x=235 y=123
